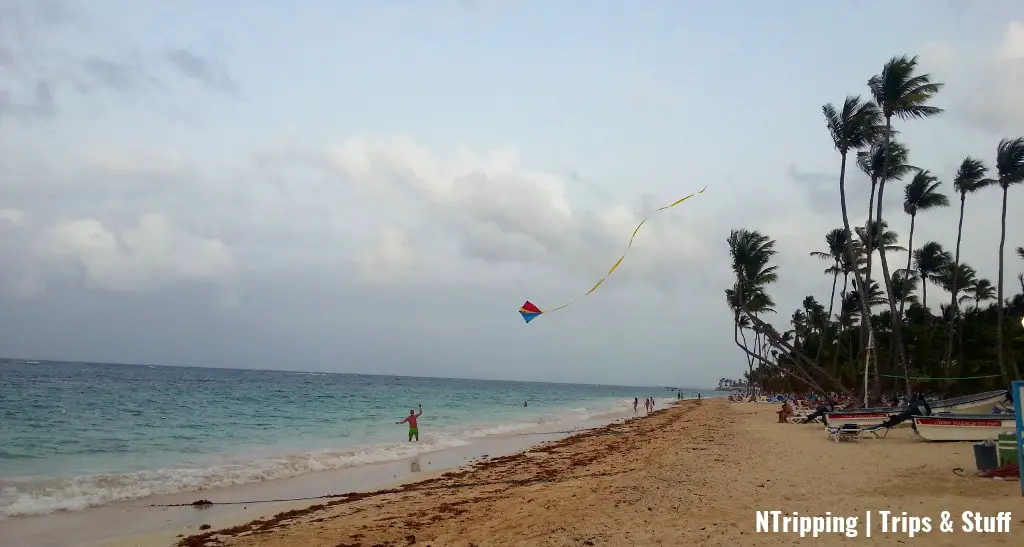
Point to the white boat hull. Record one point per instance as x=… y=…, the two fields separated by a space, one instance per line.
x=963 y=428
x=981 y=403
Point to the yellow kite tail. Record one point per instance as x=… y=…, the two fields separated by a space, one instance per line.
x=628 y=246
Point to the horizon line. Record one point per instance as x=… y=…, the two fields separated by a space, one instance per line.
x=116 y=363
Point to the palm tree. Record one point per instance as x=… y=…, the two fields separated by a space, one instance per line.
x=969 y=178
x=853 y=127
x=835 y=241
x=1010 y=167
x=920 y=194
x=931 y=262
x=904 y=284
x=899 y=92
x=872 y=162
x=881 y=238
x=978 y=291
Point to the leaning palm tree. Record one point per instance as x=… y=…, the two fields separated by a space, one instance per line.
x=930 y=262
x=899 y=92
x=920 y=194
x=969 y=178
x=853 y=127
x=1010 y=167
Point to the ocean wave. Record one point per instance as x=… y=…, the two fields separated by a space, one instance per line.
x=37 y=496
x=41 y=496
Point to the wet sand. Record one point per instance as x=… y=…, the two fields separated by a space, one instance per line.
x=694 y=474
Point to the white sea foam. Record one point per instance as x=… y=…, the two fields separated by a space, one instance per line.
x=34 y=496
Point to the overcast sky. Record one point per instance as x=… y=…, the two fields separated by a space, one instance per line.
x=377 y=186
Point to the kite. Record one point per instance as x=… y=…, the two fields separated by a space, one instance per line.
x=530 y=311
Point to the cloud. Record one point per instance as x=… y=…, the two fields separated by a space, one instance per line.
x=983 y=86
x=492 y=210
x=37 y=67
x=145 y=256
x=205 y=70
x=134 y=162
x=389 y=259
x=123 y=77
x=13 y=217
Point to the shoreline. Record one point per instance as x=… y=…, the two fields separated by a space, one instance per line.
x=694 y=473
x=107 y=525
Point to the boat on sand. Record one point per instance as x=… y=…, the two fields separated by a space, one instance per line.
x=977 y=403
x=963 y=427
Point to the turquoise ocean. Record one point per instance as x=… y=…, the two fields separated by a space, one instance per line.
x=78 y=435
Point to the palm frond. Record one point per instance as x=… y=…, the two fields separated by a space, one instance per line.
x=970 y=176
x=921 y=193
x=855 y=125
x=900 y=92
x=1010 y=161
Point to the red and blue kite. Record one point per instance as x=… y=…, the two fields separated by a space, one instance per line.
x=529 y=311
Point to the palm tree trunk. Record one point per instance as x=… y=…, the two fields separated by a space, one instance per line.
x=897 y=321
x=871 y=215
x=960 y=339
x=857 y=279
x=906 y=275
x=864 y=336
x=999 y=301
x=954 y=308
x=924 y=293
x=828 y=322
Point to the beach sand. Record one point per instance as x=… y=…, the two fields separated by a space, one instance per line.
x=693 y=474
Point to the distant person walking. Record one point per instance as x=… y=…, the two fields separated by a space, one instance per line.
x=411 y=419
x=636 y=403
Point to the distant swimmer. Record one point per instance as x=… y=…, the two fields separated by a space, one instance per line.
x=414 y=430
x=636 y=403
x=524 y=403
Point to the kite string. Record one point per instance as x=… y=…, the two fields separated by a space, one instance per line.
x=628 y=247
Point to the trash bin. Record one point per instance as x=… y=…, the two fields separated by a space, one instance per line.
x=1007 y=448
x=986 y=456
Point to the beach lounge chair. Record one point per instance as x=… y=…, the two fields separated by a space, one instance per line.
x=855 y=432
x=799 y=417
x=850 y=432
x=874 y=430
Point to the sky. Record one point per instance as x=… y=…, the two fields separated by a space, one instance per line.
x=376 y=187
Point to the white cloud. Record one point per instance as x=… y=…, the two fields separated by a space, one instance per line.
x=13 y=217
x=134 y=161
x=151 y=253
x=983 y=88
x=390 y=258
x=1012 y=47
x=496 y=211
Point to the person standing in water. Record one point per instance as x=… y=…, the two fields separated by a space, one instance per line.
x=414 y=430
x=636 y=402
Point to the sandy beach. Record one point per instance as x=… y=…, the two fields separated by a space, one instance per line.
x=693 y=474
